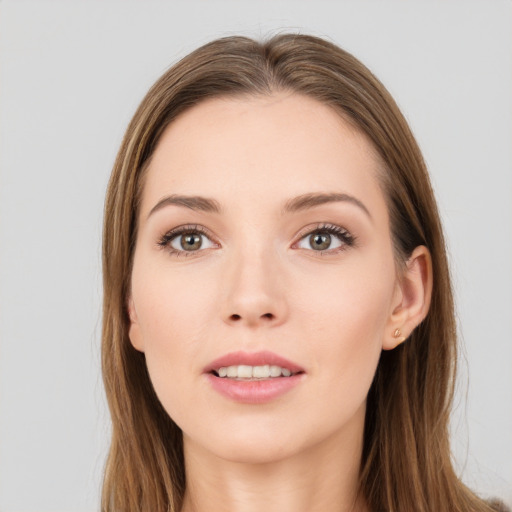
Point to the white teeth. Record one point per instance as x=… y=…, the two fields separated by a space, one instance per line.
x=244 y=371
x=275 y=371
x=261 y=372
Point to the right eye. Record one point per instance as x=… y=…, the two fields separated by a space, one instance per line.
x=190 y=242
x=186 y=240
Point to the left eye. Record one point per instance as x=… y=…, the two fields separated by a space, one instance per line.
x=190 y=242
x=323 y=240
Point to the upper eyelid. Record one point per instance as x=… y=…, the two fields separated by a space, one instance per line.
x=326 y=226
x=185 y=228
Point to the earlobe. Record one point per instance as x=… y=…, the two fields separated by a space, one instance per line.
x=412 y=298
x=134 y=331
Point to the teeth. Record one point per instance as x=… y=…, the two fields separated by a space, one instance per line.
x=275 y=371
x=244 y=371
x=261 y=372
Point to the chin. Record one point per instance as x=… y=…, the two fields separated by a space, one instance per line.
x=250 y=445
x=261 y=443
x=257 y=451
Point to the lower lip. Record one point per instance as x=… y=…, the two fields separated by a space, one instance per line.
x=253 y=391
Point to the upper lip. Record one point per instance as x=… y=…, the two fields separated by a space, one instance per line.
x=252 y=359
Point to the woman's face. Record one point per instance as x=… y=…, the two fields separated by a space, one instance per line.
x=264 y=244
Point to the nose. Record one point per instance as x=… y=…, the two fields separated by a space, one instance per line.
x=253 y=291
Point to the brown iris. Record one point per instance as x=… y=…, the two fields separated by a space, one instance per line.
x=320 y=241
x=190 y=241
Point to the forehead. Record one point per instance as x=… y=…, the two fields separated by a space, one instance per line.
x=259 y=148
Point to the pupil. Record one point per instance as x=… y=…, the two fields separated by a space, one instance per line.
x=320 y=241
x=191 y=241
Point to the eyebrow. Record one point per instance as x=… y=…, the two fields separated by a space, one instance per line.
x=299 y=203
x=307 y=201
x=197 y=203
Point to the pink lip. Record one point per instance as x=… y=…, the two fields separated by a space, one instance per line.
x=253 y=391
x=252 y=359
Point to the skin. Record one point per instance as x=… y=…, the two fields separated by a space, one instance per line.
x=257 y=283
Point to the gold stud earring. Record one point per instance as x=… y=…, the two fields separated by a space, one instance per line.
x=397 y=334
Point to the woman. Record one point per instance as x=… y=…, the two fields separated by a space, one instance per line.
x=278 y=315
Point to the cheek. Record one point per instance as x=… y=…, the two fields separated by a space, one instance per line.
x=345 y=321
x=169 y=301
x=353 y=300
x=173 y=320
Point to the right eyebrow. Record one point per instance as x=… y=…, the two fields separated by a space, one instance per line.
x=197 y=203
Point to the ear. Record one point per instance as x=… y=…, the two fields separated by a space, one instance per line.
x=411 y=300
x=134 y=332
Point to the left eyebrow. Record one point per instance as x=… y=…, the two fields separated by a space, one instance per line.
x=306 y=201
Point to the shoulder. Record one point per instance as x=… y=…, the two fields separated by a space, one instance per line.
x=498 y=505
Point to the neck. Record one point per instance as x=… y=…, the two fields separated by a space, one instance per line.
x=322 y=478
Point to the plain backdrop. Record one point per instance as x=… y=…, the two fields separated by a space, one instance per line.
x=71 y=76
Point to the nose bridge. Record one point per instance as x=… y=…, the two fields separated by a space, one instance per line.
x=253 y=289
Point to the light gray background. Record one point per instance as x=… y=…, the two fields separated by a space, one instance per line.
x=71 y=75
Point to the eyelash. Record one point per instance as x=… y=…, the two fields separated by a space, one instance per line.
x=342 y=234
x=165 y=240
x=348 y=240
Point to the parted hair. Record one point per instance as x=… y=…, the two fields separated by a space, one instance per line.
x=406 y=462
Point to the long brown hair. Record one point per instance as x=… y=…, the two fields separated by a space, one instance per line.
x=406 y=460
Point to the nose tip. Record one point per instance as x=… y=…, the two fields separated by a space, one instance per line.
x=253 y=295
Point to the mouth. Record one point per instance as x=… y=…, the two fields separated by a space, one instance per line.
x=247 y=372
x=253 y=377
x=253 y=365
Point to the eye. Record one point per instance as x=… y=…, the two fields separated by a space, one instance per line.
x=185 y=240
x=326 y=238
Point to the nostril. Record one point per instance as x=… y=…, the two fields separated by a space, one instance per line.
x=237 y=317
